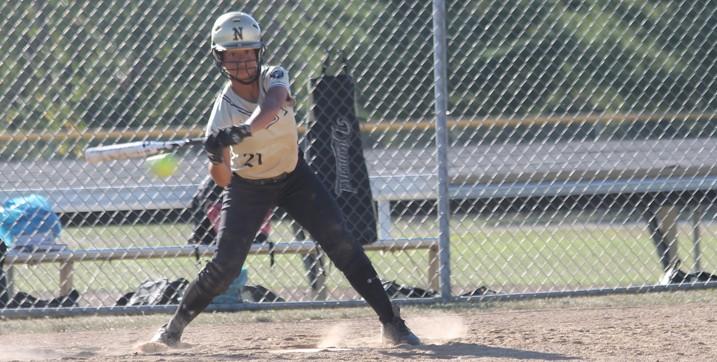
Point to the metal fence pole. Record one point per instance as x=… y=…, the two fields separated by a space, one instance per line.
x=441 y=91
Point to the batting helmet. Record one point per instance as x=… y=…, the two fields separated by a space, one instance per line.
x=236 y=30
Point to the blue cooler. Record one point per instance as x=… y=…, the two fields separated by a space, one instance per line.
x=28 y=222
x=233 y=294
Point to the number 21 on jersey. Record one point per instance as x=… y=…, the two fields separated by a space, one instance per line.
x=251 y=159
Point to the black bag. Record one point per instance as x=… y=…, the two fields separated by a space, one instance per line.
x=701 y=277
x=676 y=276
x=258 y=294
x=24 y=300
x=155 y=292
x=395 y=290
x=482 y=290
x=334 y=151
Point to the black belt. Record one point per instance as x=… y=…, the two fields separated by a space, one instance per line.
x=263 y=181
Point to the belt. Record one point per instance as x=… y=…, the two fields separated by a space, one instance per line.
x=263 y=181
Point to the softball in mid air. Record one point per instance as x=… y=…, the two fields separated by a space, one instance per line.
x=163 y=165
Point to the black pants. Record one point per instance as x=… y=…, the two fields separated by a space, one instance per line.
x=245 y=204
x=304 y=199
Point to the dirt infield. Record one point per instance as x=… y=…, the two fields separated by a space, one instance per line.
x=668 y=326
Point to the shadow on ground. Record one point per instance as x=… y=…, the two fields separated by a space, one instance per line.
x=463 y=350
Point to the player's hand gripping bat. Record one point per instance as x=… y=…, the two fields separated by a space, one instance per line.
x=139 y=149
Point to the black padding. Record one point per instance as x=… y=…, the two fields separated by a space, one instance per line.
x=335 y=152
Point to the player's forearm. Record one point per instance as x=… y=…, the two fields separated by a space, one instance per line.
x=268 y=111
x=265 y=115
x=222 y=172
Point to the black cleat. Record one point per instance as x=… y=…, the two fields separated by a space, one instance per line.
x=396 y=332
x=167 y=336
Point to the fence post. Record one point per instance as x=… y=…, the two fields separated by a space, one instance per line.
x=441 y=92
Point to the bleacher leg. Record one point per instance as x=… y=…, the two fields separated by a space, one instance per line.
x=384 y=219
x=696 y=249
x=66 y=277
x=433 y=268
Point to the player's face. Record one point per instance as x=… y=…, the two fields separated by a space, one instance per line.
x=241 y=63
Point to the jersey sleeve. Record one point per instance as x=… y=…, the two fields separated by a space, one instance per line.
x=220 y=116
x=276 y=76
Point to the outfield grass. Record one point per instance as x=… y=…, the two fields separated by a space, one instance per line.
x=507 y=256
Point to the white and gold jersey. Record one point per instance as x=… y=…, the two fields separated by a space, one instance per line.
x=267 y=153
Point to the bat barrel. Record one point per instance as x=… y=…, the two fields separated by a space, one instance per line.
x=123 y=151
x=139 y=149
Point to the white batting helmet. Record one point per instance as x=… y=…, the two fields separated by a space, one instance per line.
x=236 y=30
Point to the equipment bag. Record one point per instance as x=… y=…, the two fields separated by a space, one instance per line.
x=155 y=292
x=25 y=300
x=396 y=290
x=334 y=151
x=233 y=293
x=259 y=294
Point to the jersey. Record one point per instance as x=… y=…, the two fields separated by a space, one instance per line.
x=266 y=153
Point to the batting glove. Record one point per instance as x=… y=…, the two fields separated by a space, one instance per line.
x=233 y=135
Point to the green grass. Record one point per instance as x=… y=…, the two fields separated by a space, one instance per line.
x=508 y=255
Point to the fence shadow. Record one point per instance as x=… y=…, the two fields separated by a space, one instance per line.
x=469 y=350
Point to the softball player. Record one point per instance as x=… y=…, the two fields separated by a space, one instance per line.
x=252 y=143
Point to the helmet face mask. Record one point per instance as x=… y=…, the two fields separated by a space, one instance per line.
x=236 y=30
x=242 y=66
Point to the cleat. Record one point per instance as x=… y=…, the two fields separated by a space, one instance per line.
x=167 y=337
x=396 y=332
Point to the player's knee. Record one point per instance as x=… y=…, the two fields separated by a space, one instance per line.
x=346 y=253
x=340 y=251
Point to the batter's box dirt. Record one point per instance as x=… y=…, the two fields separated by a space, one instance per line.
x=654 y=328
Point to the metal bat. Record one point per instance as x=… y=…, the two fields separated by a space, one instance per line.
x=140 y=149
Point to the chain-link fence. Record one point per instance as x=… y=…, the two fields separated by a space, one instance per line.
x=579 y=144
